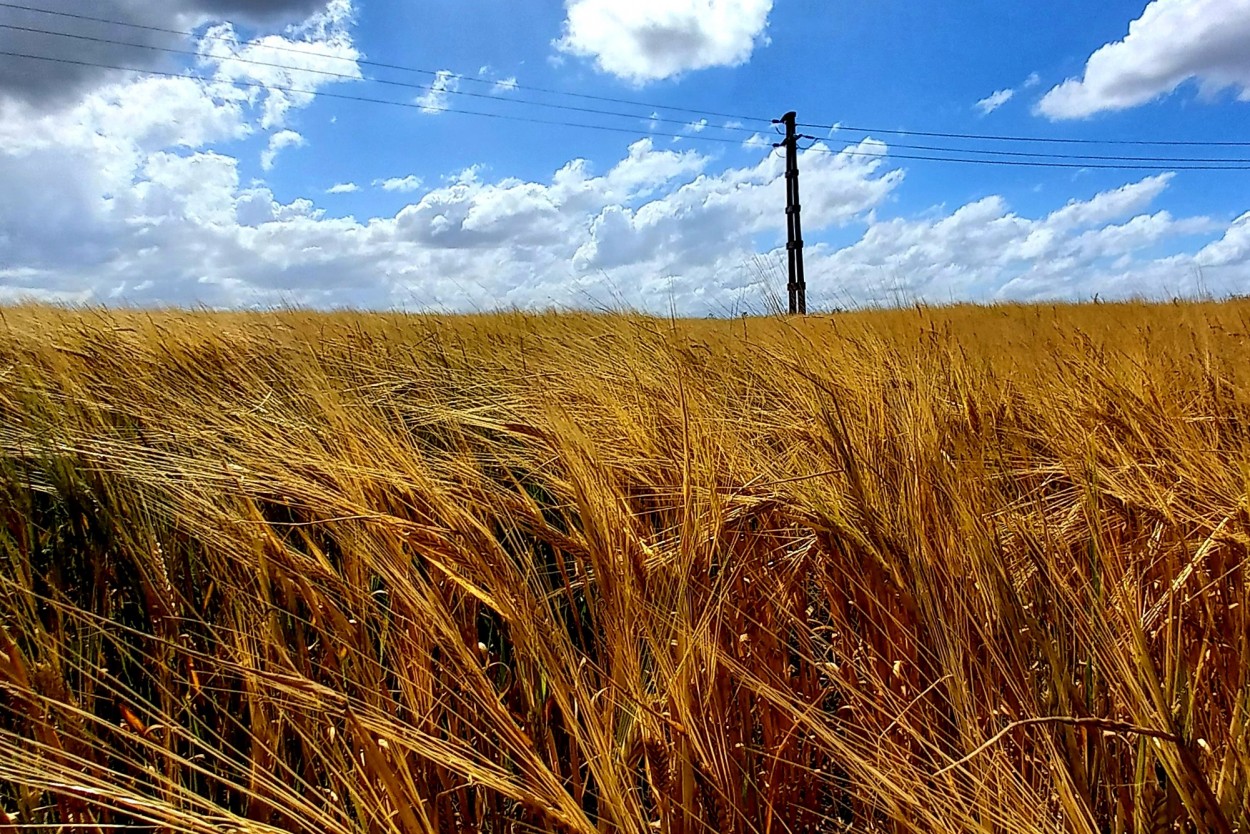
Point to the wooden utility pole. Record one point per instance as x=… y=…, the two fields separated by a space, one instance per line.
x=794 y=225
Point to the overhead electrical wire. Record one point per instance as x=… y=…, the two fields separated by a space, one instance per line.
x=827 y=125
x=343 y=76
x=989 y=137
x=615 y=114
x=280 y=88
x=630 y=102
x=1055 y=156
x=384 y=65
x=1233 y=165
x=1031 y=159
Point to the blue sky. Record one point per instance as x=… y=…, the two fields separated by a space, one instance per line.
x=197 y=182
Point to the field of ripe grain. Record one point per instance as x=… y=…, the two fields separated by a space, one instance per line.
x=963 y=570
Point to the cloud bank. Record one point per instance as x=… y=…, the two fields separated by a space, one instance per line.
x=49 y=83
x=1174 y=41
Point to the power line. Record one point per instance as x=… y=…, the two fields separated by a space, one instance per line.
x=1041 y=155
x=634 y=131
x=1170 y=160
x=987 y=137
x=1078 y=166
x=652 y=105
x=363 y=99
x=1091 y=157
x=351 y=77
x=383 y=65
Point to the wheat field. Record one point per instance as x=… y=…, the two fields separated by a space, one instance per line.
x=919 y=570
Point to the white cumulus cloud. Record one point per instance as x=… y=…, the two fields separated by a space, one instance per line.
x=401 y=184
x=56 y=83
x=1232 y=249
x=1173 y=41
x=343 y=188
x=315 y=54
x=649 y=40
x=280 y=141
x=994 y=101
